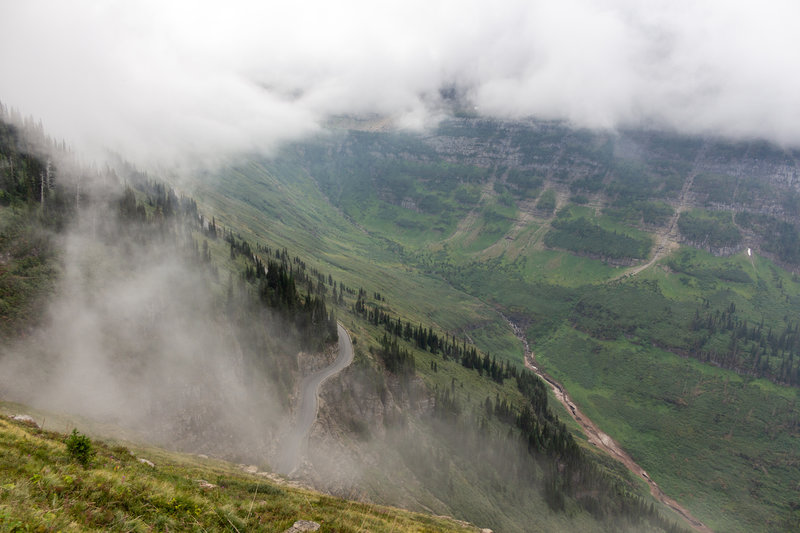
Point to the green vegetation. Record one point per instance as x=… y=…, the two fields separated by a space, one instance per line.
x=641 y=180
x=591 y=184
x=42 y=489
x=717 y=188
x=397 y=360
x=547 y=201
x=726 y=190
x=691 y=365
x=79 y=447
x=724 y=444
x=264 y=276
x=636 y=213
x=580 y=235
x=551 y=290
x=712 y=229
x=27 y=268
x=31 y=206
x=777 y=236
x=518 y=434
x=526 y=184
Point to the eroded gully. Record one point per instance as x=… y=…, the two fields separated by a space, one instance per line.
x=600 y=439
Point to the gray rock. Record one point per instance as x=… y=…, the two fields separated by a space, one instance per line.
x=27 y=419
x=303 y=525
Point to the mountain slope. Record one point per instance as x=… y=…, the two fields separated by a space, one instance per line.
x=202 y=325
x=457 y=224
x=120 y=491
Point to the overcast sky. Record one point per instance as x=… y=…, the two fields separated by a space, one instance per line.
x=162 y=80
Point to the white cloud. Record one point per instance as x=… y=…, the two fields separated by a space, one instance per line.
x=164 y=80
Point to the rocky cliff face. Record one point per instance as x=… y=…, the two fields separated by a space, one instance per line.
x=561 y=154
x=624 y=167
x=353 y=442
x=719 y=251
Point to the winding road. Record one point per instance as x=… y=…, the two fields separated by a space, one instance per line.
x=293 y=445
x=600 y=439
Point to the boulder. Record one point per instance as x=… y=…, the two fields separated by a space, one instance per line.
x=25 y=419
x=303 y=525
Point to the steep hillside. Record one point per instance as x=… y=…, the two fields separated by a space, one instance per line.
x=114 y=288
x=208 y=325
x=666 y=315
x=623 y=258
x=46 y=487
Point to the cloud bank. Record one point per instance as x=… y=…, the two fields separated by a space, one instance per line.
x=163 y=81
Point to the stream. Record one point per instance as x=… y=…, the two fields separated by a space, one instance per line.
x=597 y=437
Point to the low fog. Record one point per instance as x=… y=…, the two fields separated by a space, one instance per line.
x=137 y=333
x=134 y=334
x=184 y=83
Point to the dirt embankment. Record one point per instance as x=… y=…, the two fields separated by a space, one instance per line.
x=599 y=438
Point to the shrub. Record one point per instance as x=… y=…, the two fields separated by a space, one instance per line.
x=711 y=228
x=547 y=201
x=582 y=235
x=79 y=447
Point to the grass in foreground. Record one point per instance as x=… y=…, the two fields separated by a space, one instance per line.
x=43 y=489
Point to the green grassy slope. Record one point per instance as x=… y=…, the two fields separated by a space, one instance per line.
x=42 y=488
x=281 y=205
x=460 y=459
x=442 y=241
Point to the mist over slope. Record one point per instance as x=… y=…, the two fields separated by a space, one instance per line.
x=143 y=331
x=622 y=258
x=139 y=328
x=476 y=171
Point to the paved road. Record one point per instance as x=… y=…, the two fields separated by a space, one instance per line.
x=295 y=443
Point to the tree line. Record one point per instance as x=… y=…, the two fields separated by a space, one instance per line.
x=582 y=236
x=748 y=348
x=565 y=469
